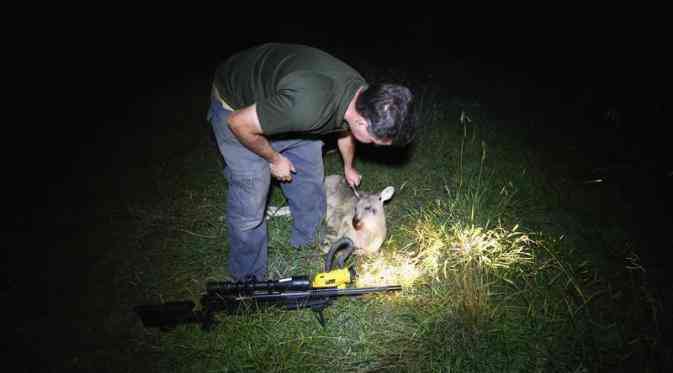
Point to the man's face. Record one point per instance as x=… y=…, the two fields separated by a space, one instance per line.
x=361 y=134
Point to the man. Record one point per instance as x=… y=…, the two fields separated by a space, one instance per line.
x=270 y=104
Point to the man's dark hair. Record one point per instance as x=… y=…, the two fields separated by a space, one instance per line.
x=389 y=110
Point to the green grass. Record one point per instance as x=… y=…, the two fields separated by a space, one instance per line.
x=496 y=274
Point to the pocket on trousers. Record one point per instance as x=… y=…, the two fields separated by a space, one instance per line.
x=247 y=198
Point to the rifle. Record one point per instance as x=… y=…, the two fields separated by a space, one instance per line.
x=231 y=297
x=294 y=293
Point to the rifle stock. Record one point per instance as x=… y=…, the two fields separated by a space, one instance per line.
x=168 y=315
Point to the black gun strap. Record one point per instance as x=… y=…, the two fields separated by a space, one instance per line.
x=345 y=244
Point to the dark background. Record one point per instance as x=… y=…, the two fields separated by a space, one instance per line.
x=586 y=61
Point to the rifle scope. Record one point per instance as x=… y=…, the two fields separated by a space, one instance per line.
x=294 y=283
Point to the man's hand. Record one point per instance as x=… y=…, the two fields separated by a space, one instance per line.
x=282 y=168
x=352 y=176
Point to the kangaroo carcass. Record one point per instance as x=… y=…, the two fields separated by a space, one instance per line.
x=359 y=217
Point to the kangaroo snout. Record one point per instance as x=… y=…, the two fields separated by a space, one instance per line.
x=357 y=223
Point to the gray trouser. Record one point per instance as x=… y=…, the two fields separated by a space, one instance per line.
x=249 y=178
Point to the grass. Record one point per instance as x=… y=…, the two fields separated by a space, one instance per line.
x=496 y=275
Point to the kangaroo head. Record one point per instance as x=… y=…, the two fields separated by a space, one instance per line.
x=368 y=210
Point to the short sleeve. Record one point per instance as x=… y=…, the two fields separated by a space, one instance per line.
x=303 y=102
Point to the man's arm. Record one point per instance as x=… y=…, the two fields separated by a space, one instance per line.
x=346 y=145
x=244 y=123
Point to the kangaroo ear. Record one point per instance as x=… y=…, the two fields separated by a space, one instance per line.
x=387 y=193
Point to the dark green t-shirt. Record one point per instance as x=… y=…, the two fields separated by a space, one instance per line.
x=296 y=88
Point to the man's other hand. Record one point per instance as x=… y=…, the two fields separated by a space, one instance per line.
x=352 y=176
x=281 y=168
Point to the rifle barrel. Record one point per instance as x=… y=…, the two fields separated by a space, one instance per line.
x=319 y=292
x=361 y=291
